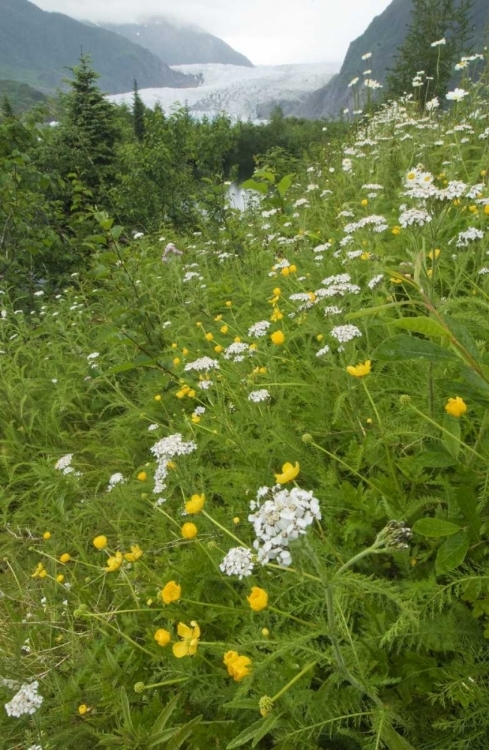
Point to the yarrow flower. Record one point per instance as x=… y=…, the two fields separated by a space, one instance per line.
x=238 y=562
x=472 y=234
x=259 y=329
x=116 y=478
x=414 y=217
x=203 y=364
x=164 y=451
x=345 y=333
x=26 y=701
x=64 y=464
x=258 y=396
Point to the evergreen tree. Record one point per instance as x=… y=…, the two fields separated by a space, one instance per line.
x=138 y=110
x=431 y=67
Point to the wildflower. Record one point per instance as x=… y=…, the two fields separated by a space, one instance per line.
x=237 y=666
x=456 y=406
x=65 y=558
x=114 y=562
x=171 y=592
x=209 y=336
x=142 y=476
x=82 y=709
x=396 y=230
x=278 y=337
x=434 y=254
x=157 y=397
x=60 y=578
x=218 y=349
x=189 y=530
x=346 y=333
x=100 y=542
x=40 y=571
x=260 y=395
x=364 y=202
x=359 y=371
x=238 y=562
x=457 y=95
x=229 y=303
x=116 y=478
x=289 y=473
x=439 y=43
x=236 y=519
x=26 y=701
x=190 y=640
x=46 y=535
x=265 y=632
x=162 y=637
x=135 y=553
x=258 y=599
x=195 y=504
x=176 y=361
x=265 y=705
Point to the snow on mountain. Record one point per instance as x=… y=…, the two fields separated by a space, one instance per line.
x=241 y=92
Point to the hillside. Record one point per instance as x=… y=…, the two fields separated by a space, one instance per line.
x=37 y=47
x=382 y=38
x=21 y=96
x=179 y=45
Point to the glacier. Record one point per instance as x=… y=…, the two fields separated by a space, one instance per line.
x=240 y=92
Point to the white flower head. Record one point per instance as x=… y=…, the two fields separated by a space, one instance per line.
x=238 y=562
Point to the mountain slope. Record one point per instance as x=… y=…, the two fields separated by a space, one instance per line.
x=179 y=45
x=36 y=47
x=382 y=38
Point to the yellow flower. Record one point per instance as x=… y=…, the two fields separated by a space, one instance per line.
x=195 y=504
x=195 y=418
x=365 y=256
x=237 y=666
x=277 y=291
x=224 y=329
x=184 y=352
x=114 y=562
x=258 y=599
x=292 y=268
x=162 y=637
x=135 y=553
x=176 y=361
x=364 y=202
x=46 y=535
x=276 y=315
x=40 y=571
x=171 y=592
x=65 y=557
x=265 y=632
x=456 y=406
x=486 y=209
x=82 y=709
x=142 y=476
x=189 y=530
x=190 y=640
x=60 y=578
x=434 y=254
x=319 y=337
x=171 y=465
x=174 y=346
x=100 y=542
x=285 y=271
x=191 y=393
x=236 y=520
x=237 y=339
x=263 y=371
x=218 y=318
x=278 y=337
x=209 y=336
x=359 y=371
x=158 y=397
x=229 y=303
x=218 y=349
x=289 y=472
x=396 y=231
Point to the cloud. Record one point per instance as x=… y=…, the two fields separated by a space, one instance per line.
x=267 y=31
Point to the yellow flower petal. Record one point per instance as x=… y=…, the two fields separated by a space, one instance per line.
x=180 y=649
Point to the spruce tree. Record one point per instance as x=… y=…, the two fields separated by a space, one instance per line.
x=431 y=21
x=138 y=110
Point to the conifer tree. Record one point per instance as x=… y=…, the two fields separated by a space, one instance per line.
x=138 y=110
x=438 y=35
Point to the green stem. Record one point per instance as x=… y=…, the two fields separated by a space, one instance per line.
x=373 y=550
x=175 y=681
x=351 y=469
x=440 y=427
x=292 y=617
x=295 y=679
x=386 y=445
x=223 y=528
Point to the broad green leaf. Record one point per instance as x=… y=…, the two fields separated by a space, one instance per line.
x=259 y=187
x=452 y=552
x=131 y=366
x=435 y=527
x=284 y=185
x=463 y=336
x=160 y=722
x=403 y=347
x=251 y=732
x=369 y=311
x=424 y=325
x=452 y=441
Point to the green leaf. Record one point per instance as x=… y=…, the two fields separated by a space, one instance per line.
x=161 y=720
x=131 y=366
x=258 y=729
x=463 y=336
x=452 y=441
x=452 y=552
x=369 y=311
x=393 y=739
x=258 y=187
x=404 y=347
x=284 y=185
x=435 y=527
x=424 y=325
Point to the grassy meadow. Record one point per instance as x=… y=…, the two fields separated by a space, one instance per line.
x=245 y=471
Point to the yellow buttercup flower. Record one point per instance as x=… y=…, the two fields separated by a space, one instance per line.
x=229 y=303
x=236 y=520
x=456 y=406
x=209 y=336
x=277 y=291
x=65 y=557
x=82 y=709
x=434 y=254
x=224 y=329
x=135 y=553
x=176 y=361
x=162 y=637
x=359 y=371
x=171 y=592
x=158 y=397
x=396 y=231
x=190 y=640
x=142 y=476
x=285 y=271
x=218 y=349
x=278 y=337
x=486 y=209
x=292 y=268
x=100 y=542
x=40 y=571
x=184 y=352
x=258 y=599
x=195 y=504
x=289 y=472
x=364 y=202
x=60 y=578
x=276 y=315
x=238 y=666
x=218 y=318
x=114 y=562
x=46 y=535
x=189 y=530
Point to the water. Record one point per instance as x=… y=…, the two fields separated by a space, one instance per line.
x=239 y=197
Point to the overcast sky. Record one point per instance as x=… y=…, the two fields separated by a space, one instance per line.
x=267 y=31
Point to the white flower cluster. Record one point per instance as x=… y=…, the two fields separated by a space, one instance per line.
x=257 y=396
x=301 y=202
x=164 y=450
x=470 y=235
x=414 y=217
x=457 y=95
x=378 y=223
x=26 y=701
x=257 y=330
x=332 y=310
x=116 y=478
x=322 y=351
x=64 y=464
x=375 y=280
x=238 y=562
x=203 y=364
x=237 y=351
x=346 y=333
x=281 y=516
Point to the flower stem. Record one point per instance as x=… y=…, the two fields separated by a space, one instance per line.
x=386 y=444
x=295 y=679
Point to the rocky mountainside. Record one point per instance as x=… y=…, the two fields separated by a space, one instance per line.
x=179 y=45
x=36 y=47
x=382 y=38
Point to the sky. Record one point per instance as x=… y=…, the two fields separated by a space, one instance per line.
x=269 y=32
